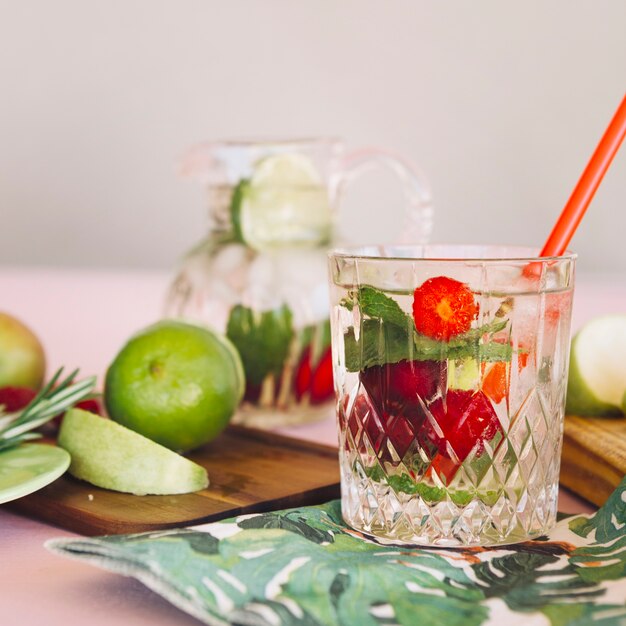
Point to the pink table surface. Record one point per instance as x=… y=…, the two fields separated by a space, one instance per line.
x=83 y=317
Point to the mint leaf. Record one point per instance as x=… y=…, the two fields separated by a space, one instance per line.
x=376 y=304
x=262 y=339
x=490 y=328
x=403 y=483
x=378 y=344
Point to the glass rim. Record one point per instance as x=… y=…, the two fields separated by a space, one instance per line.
x=360 y=253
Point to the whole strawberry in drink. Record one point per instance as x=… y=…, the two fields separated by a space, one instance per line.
x=443 y=308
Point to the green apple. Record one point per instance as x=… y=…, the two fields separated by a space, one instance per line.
x=597 y=371
x=176 y=383
x=108 y=455
x=22 y=359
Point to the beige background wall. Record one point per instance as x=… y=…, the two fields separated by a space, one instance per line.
x=500 y=102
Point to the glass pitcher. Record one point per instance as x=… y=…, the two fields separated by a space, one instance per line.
x=260 y=275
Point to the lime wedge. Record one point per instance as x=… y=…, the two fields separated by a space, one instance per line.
x=284 y=202
x=463 y=374
x=109 y=455
x=597 y=373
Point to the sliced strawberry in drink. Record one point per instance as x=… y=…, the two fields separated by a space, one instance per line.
x=443 y=308
x=404 y=387
x=465 y=420
x=495 y=384
x=316 y=381
x=302 y=379
x=443 y=467
x=15 y=399
x=357 y=420
x=495 y=377
x=398 y=393
x=400 y=433
x=322 y=387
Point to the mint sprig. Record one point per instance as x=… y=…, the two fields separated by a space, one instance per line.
x=262 y=339
x=388 y=335
x=376 y=304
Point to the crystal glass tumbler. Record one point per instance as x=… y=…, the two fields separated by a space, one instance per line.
x=450 y=366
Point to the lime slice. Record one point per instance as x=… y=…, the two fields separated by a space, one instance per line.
x=108 y=455
x=463 y=374
x=597 y=373
x=285 y=202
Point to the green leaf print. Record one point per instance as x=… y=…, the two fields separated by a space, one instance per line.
x=585 y=614
x=608 y=522
x=522 y=583
x=287 y=521
x=304 y=567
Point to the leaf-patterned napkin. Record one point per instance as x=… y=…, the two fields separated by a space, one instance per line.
x=305 y=567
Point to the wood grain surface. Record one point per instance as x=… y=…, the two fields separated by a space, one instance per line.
x=253 y=471
x=250 y=471
x=594 y=456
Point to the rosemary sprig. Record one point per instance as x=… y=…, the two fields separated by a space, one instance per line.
x=55 y=397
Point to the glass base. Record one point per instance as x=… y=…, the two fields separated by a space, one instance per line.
x=268 y=418
x=503 y=517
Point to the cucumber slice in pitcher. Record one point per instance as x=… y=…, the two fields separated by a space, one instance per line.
x=597 y=375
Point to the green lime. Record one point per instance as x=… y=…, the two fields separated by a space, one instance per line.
x=597 y=371
x=284 y=202
x=111 y=456
x=175 y=383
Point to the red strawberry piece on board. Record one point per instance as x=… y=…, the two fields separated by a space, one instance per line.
x=90 y=404
x=443 y=308
x=465 y=420
x=15 y=399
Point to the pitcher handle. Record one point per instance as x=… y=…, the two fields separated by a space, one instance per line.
x=418 y=208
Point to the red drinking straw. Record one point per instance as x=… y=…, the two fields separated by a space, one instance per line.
x=573 y=212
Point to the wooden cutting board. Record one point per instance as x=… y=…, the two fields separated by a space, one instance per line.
x=594 y=456
x=253 y=471
x=250 y=471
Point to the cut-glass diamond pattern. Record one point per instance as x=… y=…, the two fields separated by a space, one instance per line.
x=394 y=487
x=486 y=472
